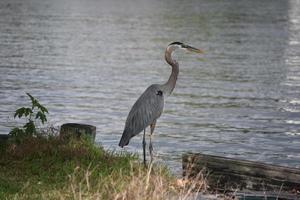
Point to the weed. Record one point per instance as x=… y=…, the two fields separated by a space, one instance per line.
x=31 y=114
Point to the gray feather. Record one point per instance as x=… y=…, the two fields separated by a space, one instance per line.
x=144 y=112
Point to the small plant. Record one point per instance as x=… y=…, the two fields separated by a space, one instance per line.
x=32 y=114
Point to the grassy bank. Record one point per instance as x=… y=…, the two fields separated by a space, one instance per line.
x=49 y=168
x=36 y=167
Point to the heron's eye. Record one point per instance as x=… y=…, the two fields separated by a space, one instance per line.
x=159 y=93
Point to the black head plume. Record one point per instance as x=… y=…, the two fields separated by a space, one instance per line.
x=176 y=43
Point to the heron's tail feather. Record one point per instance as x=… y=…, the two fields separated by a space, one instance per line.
x=124 y=140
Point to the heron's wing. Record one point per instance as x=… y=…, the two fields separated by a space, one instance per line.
x=144 y=112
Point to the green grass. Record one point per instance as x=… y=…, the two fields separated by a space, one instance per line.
x=38 y=164
x=50 y=168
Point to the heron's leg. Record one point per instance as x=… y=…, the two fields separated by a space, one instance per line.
x=144 y=147
x=152 y=126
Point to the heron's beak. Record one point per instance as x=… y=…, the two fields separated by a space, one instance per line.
x=193 y=49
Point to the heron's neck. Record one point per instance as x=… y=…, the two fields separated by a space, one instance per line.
x=170 y=84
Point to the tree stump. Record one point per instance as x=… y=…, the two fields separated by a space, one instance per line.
x=78 y=130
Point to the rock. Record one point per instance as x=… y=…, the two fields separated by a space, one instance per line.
x=3 y=137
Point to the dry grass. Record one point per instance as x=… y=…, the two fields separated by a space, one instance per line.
x=42 y=168
x=153 y=183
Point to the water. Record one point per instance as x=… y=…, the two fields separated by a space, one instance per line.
x=88 y=61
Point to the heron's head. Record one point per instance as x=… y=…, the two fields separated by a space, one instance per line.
x=179 y=45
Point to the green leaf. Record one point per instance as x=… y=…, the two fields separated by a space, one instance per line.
x=41 y=116
x=23 y=111
x=19 y=112
x=28 y=111
x=34 y=102
x=16 y=132
x=30 y=127
x=31 y=97
x=43 y=109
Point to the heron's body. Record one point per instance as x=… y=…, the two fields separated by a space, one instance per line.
x=144 y=112
x=149 y=106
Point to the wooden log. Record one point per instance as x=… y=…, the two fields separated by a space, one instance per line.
x=233 y=174
x=264 y=195
x=78 y=130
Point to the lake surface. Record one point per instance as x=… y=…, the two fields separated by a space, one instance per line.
x=88 y=61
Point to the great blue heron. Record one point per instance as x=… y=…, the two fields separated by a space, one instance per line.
x=149 y=106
